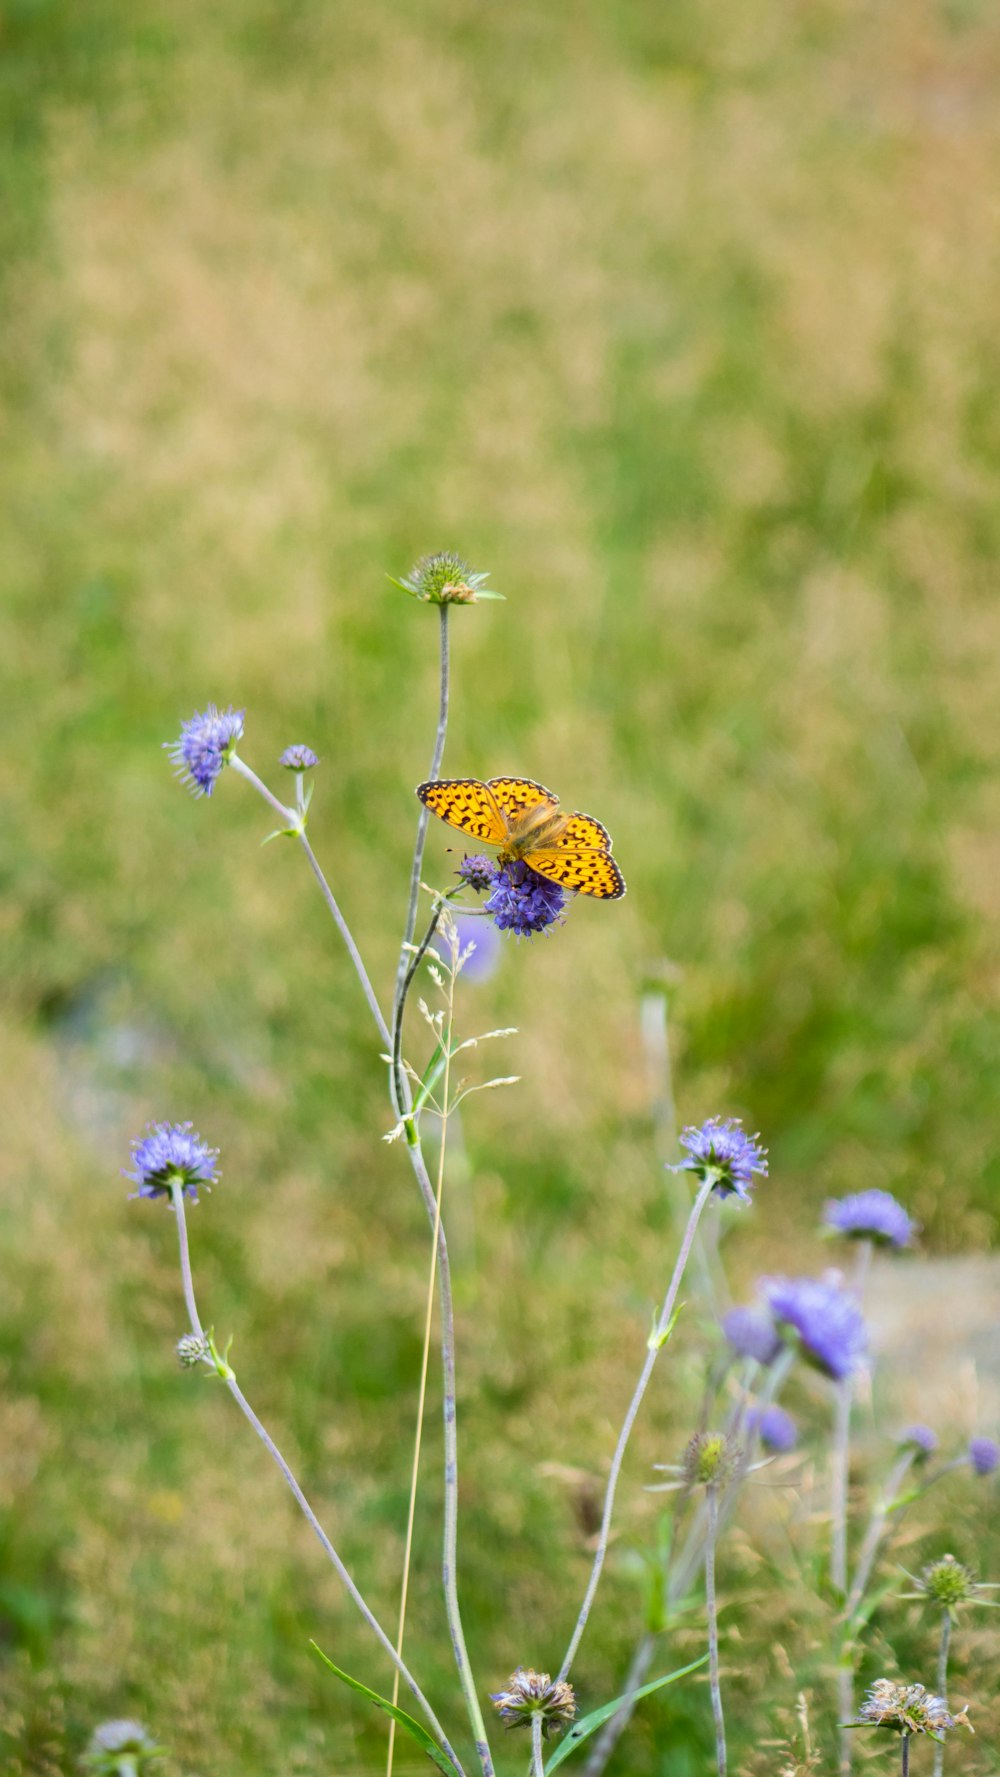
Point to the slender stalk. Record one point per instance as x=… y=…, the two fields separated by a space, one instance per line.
x=613 y=1729
x=942 y=1683
x=293 y=820
x=839 y=1460
x=654 y=1347
x=425 y=1354
x=845 y=1707
x=537 y=1762
x=712 y=1501
x=904 y=1748
x=177 y=1198
x=424 y=817
x=877 y=1525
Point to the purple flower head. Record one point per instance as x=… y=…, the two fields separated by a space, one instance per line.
x=824 y=1317
x=524 y=902
x=206 y=744
x=171 y=1154
x=984 y=1455
x=721 y=1151
x=483 y=935
x=870 y=1215
x=921 y=1439
x=750 y=1332
x=531 y=1693
x=298 y=758
x=774 y=1427
x=477 y=873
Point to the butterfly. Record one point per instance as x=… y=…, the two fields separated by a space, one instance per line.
x=524 y=819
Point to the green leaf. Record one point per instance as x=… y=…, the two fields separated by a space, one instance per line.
x=589 y=1724
x=413 y=1728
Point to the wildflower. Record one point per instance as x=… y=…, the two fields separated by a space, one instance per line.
x=825 y=1318
x=477 y=873
x=774 y=1427
x=710 y=1456
x=921 y=1439
x=120 y=1749
x=298 y=758
x=171 y=1154
x=192 y=1350
x=531 y=1693
x=524 y=902
x=445 y=579
x=984 y=1455
x=206 y=744
x=722 y=1152
x=870 y=1215
x=750 y=1332
x=907 y=1709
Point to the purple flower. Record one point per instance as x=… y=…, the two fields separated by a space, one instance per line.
x=750 y=1332
x=826 y=1319
x=870 y=1215
x=473 y=929
x=171 y=1154
x=921 y=1439
x=774 y=1427
x=298 y=758
x=477 y=873
x=206 y=744
x=722 y=1152
x=984 y=1455
x=524 y=902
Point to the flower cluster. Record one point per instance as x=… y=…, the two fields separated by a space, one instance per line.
x=907 y=1709
x=531 y=1693
x=206 y=744
x=984 y=1455
x=520 y=901
x=171 y=1154
x=720 y=1150
x=775 y=1428
x=870 y=1215
x=120 y=1749
x=298 y=758
x=824 y=1318
x=921 y=1440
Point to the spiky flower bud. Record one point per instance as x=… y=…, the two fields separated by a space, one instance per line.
x=192 y=1350
x=445 y=579
x=710 y=1458
x=947 y=1583
x=531 y=1693
x=907 y=1709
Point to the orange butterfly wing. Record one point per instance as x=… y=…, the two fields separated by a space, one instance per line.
x=515 y=795
x=582 y=829
x=467 y=804
x=582 y=868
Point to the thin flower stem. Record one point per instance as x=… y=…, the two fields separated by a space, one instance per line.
x=654 y=1347
x=293 y=821
x=537 y=1762
x=839 y=1461
x=942 y=1683
x=424 y=817
x=877 y=1525
x=177 y=1198
x=904 y=1749
x=428 y=1320
x=713 y=1627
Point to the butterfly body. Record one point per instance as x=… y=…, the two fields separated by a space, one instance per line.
x=524 y=820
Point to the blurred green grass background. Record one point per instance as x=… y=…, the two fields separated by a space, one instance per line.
x=683 y=323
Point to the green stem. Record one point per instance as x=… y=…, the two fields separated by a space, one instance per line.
x=713 y=1628
x=654 y=1347
x=905 y=1755
x=177 y=1198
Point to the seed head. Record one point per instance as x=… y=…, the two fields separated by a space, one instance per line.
x=445 y=579
x=531 y=1693
x=192 y=1350
x=206 y=744
x=947 y=1583
x=710 y=1457
x=720 y=1150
